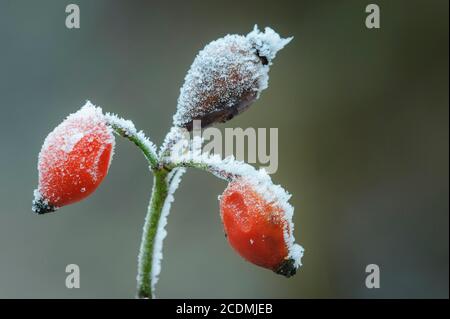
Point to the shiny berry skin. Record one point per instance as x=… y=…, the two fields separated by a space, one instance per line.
x=74 y=159
x=256 y=228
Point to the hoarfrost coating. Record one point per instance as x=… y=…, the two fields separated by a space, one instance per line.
x=226 y=77
x=267 y=43
x=127 y=128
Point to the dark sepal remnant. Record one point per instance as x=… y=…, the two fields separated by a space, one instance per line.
x=224 y=113
x=263 y=59
x=287 y=268
x=40 y=206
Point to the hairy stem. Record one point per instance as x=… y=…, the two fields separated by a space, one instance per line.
x=148 y=153
x=164 y=180
x=138 y=138
x=159 y=195
x=210 y=168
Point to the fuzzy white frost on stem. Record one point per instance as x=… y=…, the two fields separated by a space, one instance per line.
x=173 y=181
x=150 y=252
x=127 y=129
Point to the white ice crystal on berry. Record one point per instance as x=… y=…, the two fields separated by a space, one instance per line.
x=267 y=43
x=57 y=152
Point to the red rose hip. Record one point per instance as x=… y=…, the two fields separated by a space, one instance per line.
x=74 y=159
x=258 y=227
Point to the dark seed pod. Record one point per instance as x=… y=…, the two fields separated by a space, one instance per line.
x=227 y=76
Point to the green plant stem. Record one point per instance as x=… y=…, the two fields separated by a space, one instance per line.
x=160 y=192
x=159 y=195
x=140 y=142
x=149 y=155
x=152 y=219
x=162 y=181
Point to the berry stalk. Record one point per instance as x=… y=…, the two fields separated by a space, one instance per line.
x=126 y=129
x=146 y=251
x=162 y=183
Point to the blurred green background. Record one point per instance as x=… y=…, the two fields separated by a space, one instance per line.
x=363 y=146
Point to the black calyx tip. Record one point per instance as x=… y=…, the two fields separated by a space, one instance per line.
x=41 y=206
x=263 y=59
x=287 y=268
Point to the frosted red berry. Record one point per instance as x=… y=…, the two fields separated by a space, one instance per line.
x=258 y=229
x=74 y=159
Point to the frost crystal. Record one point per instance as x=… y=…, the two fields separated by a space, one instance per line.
x=128 y=129
x=267 y=43
x=40 y=205
x=226 y=77
x=175 y=135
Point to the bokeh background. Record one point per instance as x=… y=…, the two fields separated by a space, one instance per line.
x=363 y=146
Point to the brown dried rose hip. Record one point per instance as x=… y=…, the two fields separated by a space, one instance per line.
x=226 y=77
